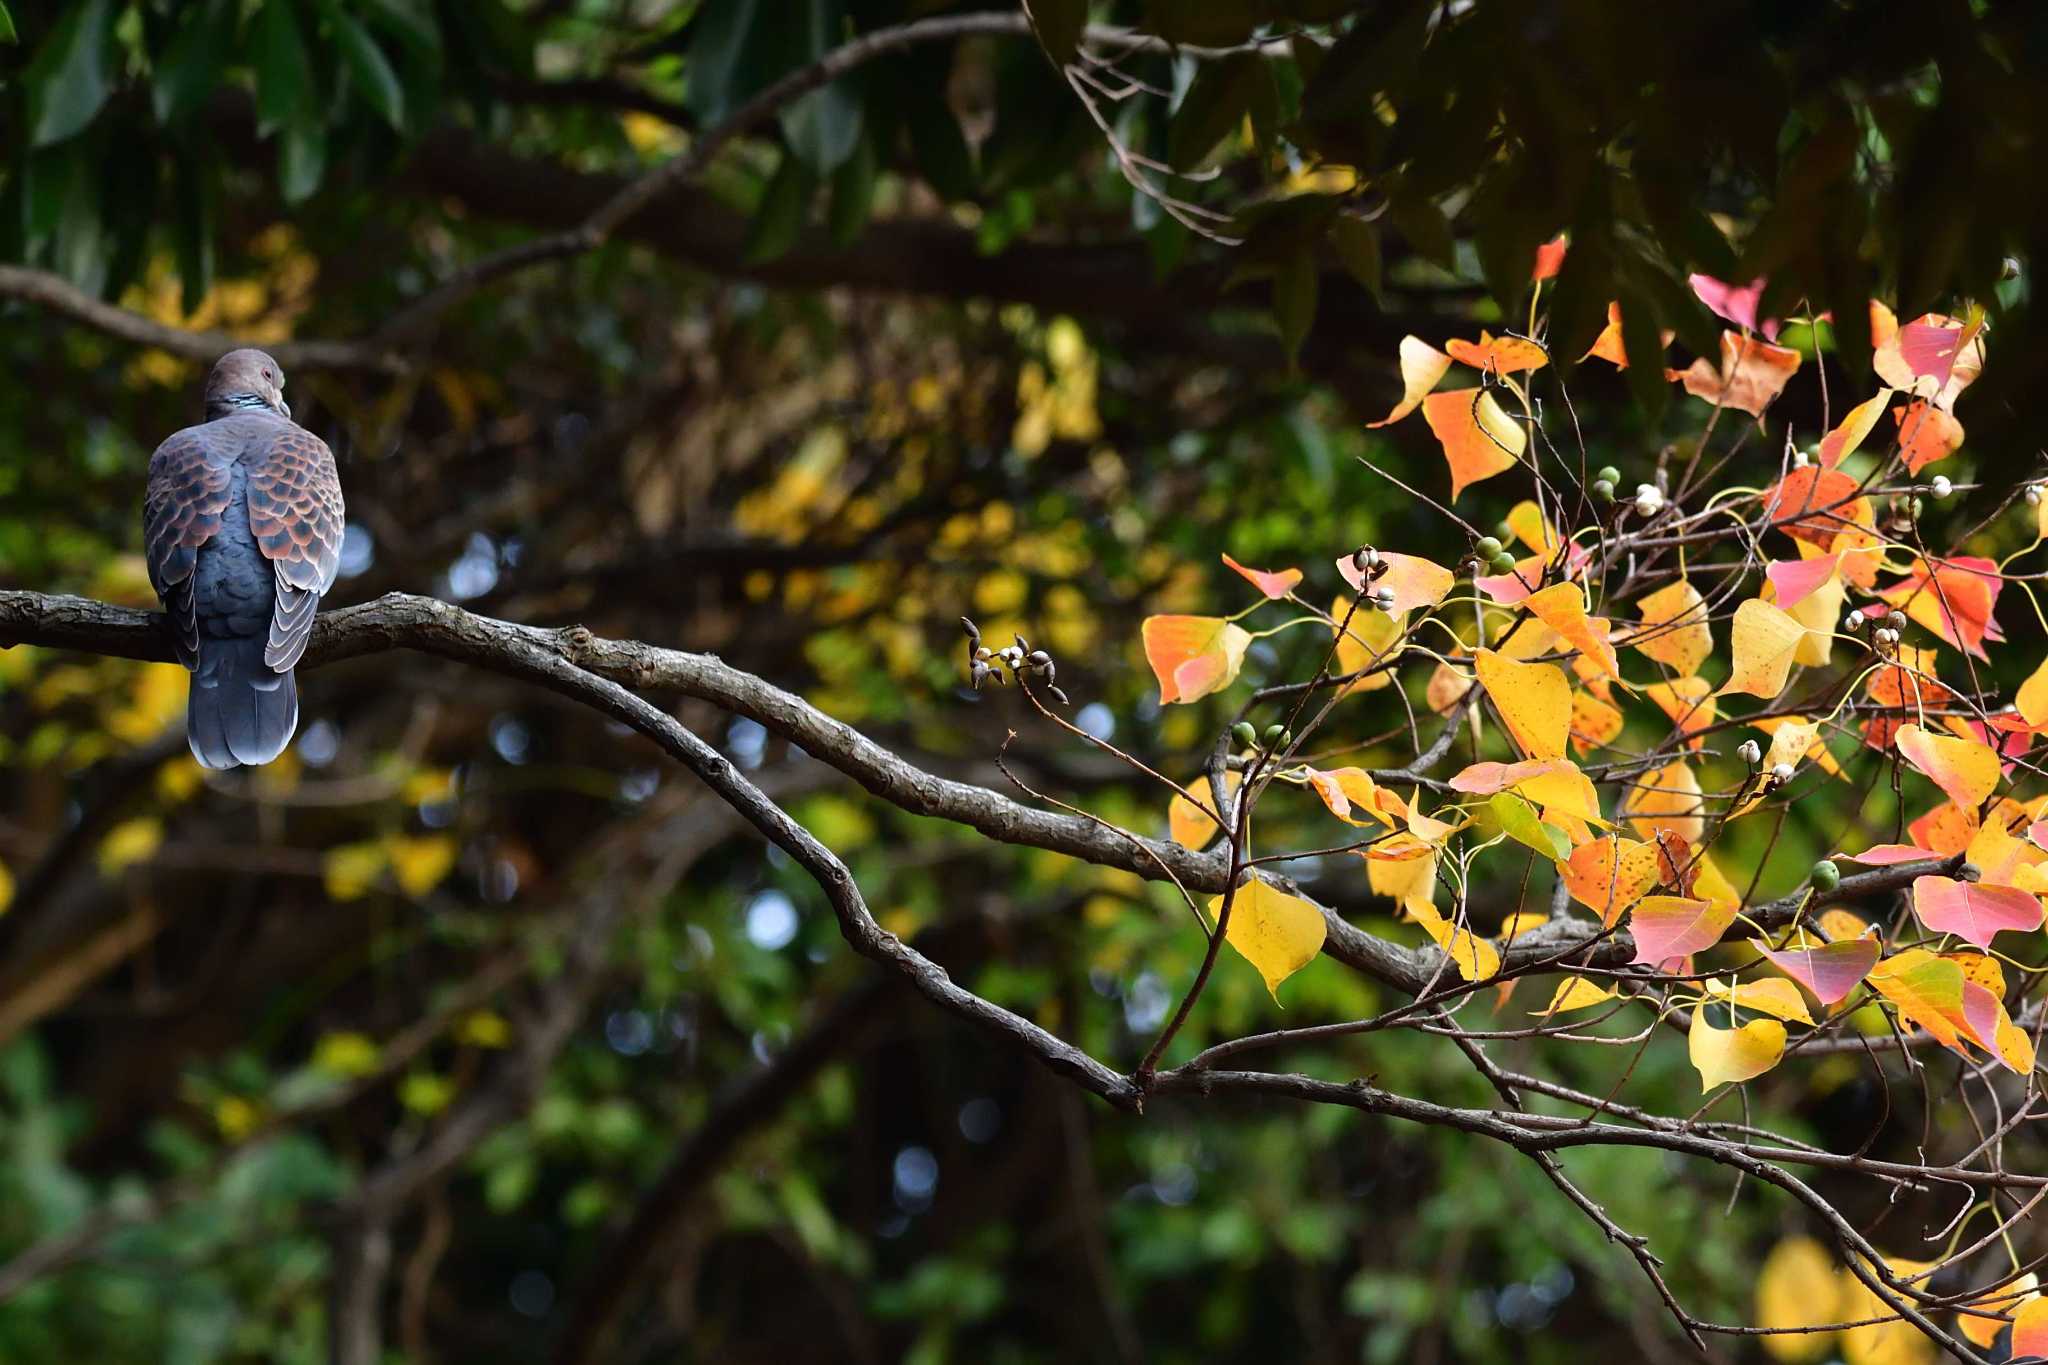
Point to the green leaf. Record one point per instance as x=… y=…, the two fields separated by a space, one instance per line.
x=198 y=194
x=1425 y=227
x=785 y=204
x=1518 y=821
x=1059 y=24
x=284 y=74
x=853 y=193
x=1215 y=106
x=369 y=70
x=191 y=65
x=72 y=74
x=7 y=33
x=1294 y=300
x=1357 y=244
x=824 y=126
x=301 y=161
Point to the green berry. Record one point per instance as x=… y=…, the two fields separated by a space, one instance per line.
x=1608 y=474
x=1603 y=490
x=1503 y=562
x=1504 y=532
x=1487 y=548
x=1246 y=735
x=1276 y=737
x=1825 y=875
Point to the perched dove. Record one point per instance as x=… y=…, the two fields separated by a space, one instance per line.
x=242 y=528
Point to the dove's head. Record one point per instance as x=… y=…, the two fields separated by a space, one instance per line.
x=246 y=381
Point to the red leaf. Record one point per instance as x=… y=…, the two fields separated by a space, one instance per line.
x=1274 y=583
x=1736 y=303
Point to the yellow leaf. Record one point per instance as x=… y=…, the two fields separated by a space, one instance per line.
x=1764 y=642
x=346 y=1054
x=1409 y=881
x=1666 y=799
x=1926 y=989
x=1576 y=993
x=1880 y=1343
x=6 y=888
x=1532 y=528
x=1839 y=444
x=2032 y=698
x=1368 y=641
x=1474 y=957
x=420 y=861
x=1796 y=1287
x=1352 y=795
x=2021 y=1296
x=1422 y=367
x=1965 y=769
x=350 y=870
x=1562 y=607
x=1274 y=931
x=1689 y=702
x=1190 y=825
x=1534 y=700
x=1820 y=611
x=1675 y=631
x=1594 y=722
x=1724 y=1056
x=1773 y=995
x=131 y=841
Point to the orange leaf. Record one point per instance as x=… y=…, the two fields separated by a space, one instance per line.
x=1534 y=701
x=1667 y=799
x=1498 y=355
x=1926 y=434
x=1689 y=702
x=1594 y=722
x=1274 y=583
x=1610 y=874
x=1549 y=259
x=1350 y=793
x=1422 y=367
x=1562 y=607
x=1752 y=373
x=1479 y=439
x=1817 y=505
x=1193 y=656
x=1955 y=598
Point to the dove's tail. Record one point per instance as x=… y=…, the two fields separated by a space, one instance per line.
x=240 y=711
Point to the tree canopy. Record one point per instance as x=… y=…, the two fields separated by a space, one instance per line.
x=671 y=938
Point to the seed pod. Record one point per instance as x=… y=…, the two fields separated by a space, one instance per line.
x=973 y=631
x=978 y=674
x=1040 y=659
x=1059 y=696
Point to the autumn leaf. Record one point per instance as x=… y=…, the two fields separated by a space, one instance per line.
x=1955 y=598
x=1576 y=993
x=1534 y=701
x=1724 y=1056
x=1549 y=260
x=1609 y=345
x=1674 y=631
x=1839 y=444
x=1193 y=656
x=1689 y=702
x=1795 y=1288
x=1498 y=355
x=1422 y=367
x=1676 y=926
x=1925 y=989
x=1772 y=995
x=1274 y=583
x=1478 y=438
x=1562 y=607
x=1794 y=580
x=1373 y=637
x=1350 y=793
x=1988 y=1025
x=1191 y=825
x=1926 y=434
x=1763 y=642
x=1965 y=769
x=1666 y=798
x=1416 y=583
x=1881 y=1339
x=1751 y=374
x=1518 y=821
x=1610 y=874
x=1736 y=303
x=1972 y=911
x=1829 y=970
x=1474 y=957
x=2030 y=1329
x=1594 y=722
x=1934 y=357
x=1276 y=932
x=1817 y=506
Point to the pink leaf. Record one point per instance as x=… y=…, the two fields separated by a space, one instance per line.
x=1971 y=911
x=1884 y=855
x=1675 y=926
x=1795 y=580
x=1829 y=970
x=1736 y=303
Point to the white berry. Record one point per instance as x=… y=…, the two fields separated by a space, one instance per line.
x=1941 y=487
x=1751 y=752
x=1783 y=772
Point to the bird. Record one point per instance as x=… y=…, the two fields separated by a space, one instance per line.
x=242 y=531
